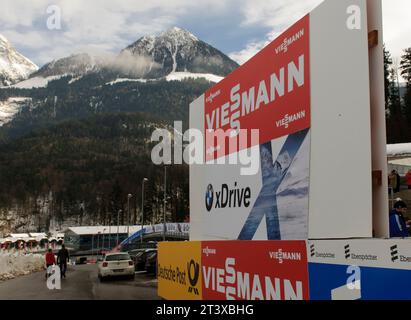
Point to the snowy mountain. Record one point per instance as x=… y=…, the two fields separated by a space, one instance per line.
x=177 y=50
x=173 y=55
x=14 y=67
x=77 y=64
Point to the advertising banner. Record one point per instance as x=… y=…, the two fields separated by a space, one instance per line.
x=306 y=178
x=254 y=270
x=270 y=92
x=178 y=270
x=360 y=269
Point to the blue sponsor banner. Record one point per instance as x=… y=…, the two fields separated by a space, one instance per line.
x=328 y=281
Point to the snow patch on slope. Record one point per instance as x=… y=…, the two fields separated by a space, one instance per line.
x=10 y=107
x=120 y=80
x=36 y=82
x=179 y=76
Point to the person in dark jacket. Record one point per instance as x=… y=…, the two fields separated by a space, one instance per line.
x=398 y=225
x=398 y=187
x=62 y=259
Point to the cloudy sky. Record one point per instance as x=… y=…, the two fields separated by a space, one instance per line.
x=237 y=27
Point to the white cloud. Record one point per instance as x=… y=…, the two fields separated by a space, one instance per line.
x=280 y=14
x=107 y=25
x=397 y=26
x=277 y=15
x=93 y=24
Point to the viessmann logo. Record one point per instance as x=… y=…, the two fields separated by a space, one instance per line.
x=212 y=96
x=281 y=255
x=283 y=47
x=207 y=251
x=227 y=197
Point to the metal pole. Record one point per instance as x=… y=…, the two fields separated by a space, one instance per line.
x=142 y=210
x=129 y=196
x=92 y=246
x=98 y=242
x=109 y=234
x=118 y=224
x=164 y=211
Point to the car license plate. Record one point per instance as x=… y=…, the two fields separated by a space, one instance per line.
x=118 y=270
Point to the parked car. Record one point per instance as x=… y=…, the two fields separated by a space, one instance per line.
x=116 y=264
x=134 y=252
x=140 y=259
x=151 y=262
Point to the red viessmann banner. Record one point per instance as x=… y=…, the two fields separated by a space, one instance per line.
x=254 y=270
x=270 y=92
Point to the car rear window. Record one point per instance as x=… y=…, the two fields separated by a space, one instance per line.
x=118 y=257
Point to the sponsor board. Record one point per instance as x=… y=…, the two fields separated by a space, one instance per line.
x=254 y=270
x=380 y=267
x=384 y=253
x=332 y=282
x=306 y=127
x=178 y=270
x=270 y=92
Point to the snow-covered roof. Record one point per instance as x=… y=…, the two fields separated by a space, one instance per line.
x=19 y=235
x=102 y=229
x=399 y=149
x=406 y=162
x=36 y=234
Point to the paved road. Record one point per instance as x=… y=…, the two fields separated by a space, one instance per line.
x=81 y=284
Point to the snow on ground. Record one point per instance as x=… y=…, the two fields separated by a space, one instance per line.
x=10 y=107
x=75 y=79
x=178 y=76
x=119 y=80
x=174 y=76
x=36 y=82
x=398 y=149
x=16 y=264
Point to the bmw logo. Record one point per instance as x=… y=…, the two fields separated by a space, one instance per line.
x=209 y=197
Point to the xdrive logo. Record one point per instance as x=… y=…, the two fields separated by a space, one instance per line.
x=347 y=251
x=394 y=253
x=227 y=198
x=312 y=250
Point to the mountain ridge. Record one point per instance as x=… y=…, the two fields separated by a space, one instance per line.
x=14 y=67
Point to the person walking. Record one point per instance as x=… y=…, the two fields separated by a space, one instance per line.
x=408 y=179
x=392 y=181
x=398 y=225
x=50 y=261
x=62 y=259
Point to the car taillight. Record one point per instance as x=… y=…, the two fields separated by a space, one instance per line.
x=105 y=264
x=130 y=263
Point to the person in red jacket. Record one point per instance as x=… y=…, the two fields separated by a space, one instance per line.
x=50 y=260
x=408 y=179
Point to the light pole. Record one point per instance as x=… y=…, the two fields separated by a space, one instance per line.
x=92 y=246
x=102 y=246
x=109 y=233
x=118 y=224
x=142 y=209
x=165 y=201
x=129 y=196
x=98 y=242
